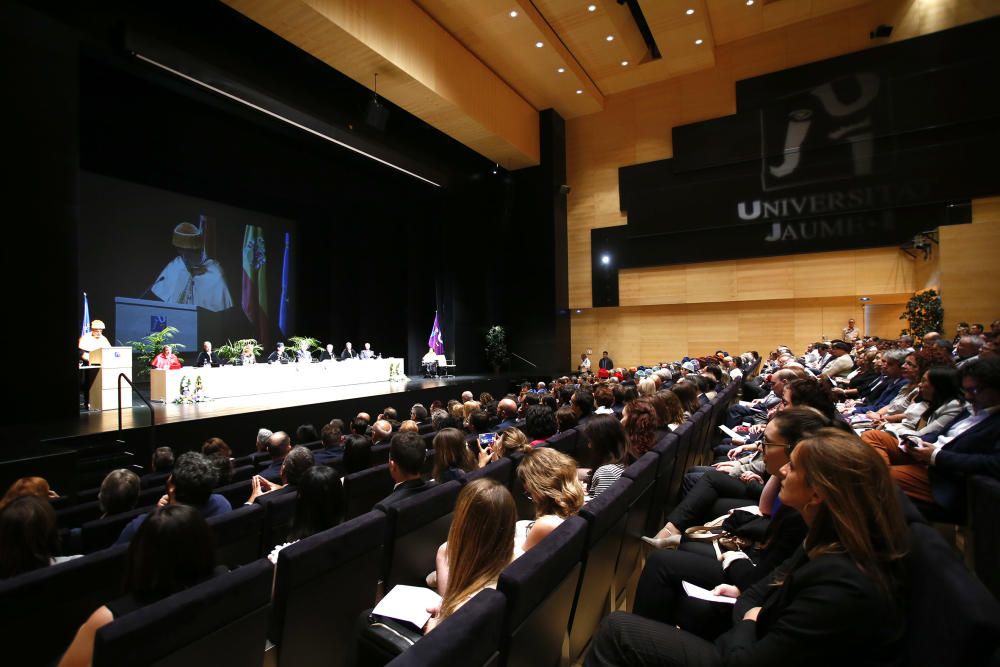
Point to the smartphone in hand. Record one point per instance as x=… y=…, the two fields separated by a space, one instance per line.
x=487 y=439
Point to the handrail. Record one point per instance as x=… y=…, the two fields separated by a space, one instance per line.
x=152 y=415
x=515 y=354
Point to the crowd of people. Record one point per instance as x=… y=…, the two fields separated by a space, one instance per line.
x=819 y=453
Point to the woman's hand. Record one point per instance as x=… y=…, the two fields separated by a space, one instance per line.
x=751 y=477
x=726 y=591
x=737 y=452
x=163 y=501
x=485 y=456
x=921 y=453
x=752 y=614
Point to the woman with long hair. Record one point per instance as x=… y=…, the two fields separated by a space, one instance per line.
x=687 y=393
x=549 y=480
x=27 y=486
x=639 y=420
x=669 y=412
x=29 y=538
x=320 y=505
x=833 y=602
x=452 y=457
x=480 y=545
x=172 y=550
x=609 y=447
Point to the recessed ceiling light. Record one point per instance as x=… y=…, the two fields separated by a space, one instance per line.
x=749 y=2
x=624 y=63
x=605 y=259
x=689 y=12
x=561 y=70
x=699 y=42
x=513 y=14
x=579 y=91
x=539 y=45
x=592 y=8
x=610 y=38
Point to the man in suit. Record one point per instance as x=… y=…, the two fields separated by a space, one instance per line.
x=278 y=446
x=367 y=352
x=406 y=458
x=507 y=412
x=332 y=453
x=934 y=471
x=606 y=362
x=328 y=354
x=279 y=355
x=349 y=352
x=293 y=467
x=207 y=357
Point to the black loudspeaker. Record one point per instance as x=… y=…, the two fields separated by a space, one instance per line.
x=377 y=115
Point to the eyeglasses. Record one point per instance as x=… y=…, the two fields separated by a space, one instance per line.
x=765 y=443
x=528 y=496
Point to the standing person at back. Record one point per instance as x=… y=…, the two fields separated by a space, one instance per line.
x=606 y=362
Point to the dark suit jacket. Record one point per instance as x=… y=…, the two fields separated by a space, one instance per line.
x=504 y=425
x=205 y=358
x=975 y=452
x=606 y=363
x=349 y=354
x=283 y=357
x=329 y=456
x=827 y=612
x=272 y=473
x=404 y=490
x=326 y=356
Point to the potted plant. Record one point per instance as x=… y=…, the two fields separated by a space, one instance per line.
x=231 y=350
x=295 y=344
x=144 y=350
x=496 y=347
x=924 y=313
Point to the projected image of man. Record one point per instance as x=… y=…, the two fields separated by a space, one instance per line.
x=192 y=277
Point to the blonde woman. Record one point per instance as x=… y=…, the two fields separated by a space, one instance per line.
x=549 y=479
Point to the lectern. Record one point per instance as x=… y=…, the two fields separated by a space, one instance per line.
x=104 y=391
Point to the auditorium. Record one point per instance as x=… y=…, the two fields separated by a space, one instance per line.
x=501 y=332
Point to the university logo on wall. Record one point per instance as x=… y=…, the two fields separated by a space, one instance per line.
x=825 y=133
x=157 y=323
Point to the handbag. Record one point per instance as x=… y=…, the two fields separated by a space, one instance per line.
x=384 y=638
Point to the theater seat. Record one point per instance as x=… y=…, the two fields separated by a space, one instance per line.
x=222 y=621
x=279 y=510
x=236 y=493
x=380 y=454
x=321 y=584
x=363 y=489
x=952 y=619
x=666 y=449
x=415 y=528
x=237 y=535
x=469 y=637
x=102 y=533
x=564 y=441
x=984 y=502
x=500 y=470
x=539 y=587
x=40 y=611
x=643 y=476
x=605 y=517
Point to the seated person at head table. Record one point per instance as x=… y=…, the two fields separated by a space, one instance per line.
x=328 y=353
x=303 y=355
x=367 y=352
x=247 y=356
x=279 y=355
x=166 y=359
x=207 y=357
x=349 y=352
x=92 y=341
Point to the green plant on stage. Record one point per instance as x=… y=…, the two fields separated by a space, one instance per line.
x=295 y=344
x=496 y=347
x=231 y=350
x=924 y=312
x=144 y=350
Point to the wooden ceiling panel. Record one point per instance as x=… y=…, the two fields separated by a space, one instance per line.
x=735 y=19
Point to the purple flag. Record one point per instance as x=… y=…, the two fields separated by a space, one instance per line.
x=436 y=342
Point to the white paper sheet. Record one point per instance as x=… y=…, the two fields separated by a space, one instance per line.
x=704 y=594
x=728 y=431
x=408 y=603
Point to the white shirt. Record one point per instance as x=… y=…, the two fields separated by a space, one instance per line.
x=207 y=290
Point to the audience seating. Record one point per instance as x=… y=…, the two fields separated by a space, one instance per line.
x=242 y=473
x=102 y=533
x=321 y=584
x=643 y=475
x=278 y=513
x=984 y=529
x=470 y=636
x=501 y=470
x=363 y=489
x=41 y=610
x=415 y=528
x=605 y=517
x=564 y=441
x=222 y=621
x=380 y=454
x=952 y=619
x=237 y=535
x=236 y=493
x=540 y=587
x=666 y=449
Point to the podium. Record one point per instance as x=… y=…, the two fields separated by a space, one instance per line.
x=112 y=361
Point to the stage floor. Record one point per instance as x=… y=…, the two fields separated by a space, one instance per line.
x=138 y=417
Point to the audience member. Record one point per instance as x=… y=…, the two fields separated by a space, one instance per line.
x=278 y=446
x=609 y=444
x=332 y=451
x=409 y=426
x=639 y=420
x=320 y=505
x=306 y=433
x=550 y=481
x=263 y=435
x=219 y=453
x=452 y=458
x=357 y=454
x=27 y=486
x=539 y=424
x=29 y=538
x=119 y=492
x=507 y=413
x=565 y=419
x=406 y=459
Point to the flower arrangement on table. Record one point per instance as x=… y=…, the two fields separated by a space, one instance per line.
x=188 y=397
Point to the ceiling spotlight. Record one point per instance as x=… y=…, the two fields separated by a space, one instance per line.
x=561 y=70
x=689 y=12
x=749 y=3
x=592 y=8
x=579 y=91
x=513 y=14
x=624 y=63
x=610 y=38
x=605 y=259
x=539 y=45
x=699 y=42
x=578 y=311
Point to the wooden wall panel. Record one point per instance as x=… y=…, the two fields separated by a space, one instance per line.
x=883 y=319
x=968 y=264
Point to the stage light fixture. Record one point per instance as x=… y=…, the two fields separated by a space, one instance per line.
x=605 y=259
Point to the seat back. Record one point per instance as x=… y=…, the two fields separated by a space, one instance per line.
x=220 y=621
x=278 y=513
x=236 y=493
x=952 y=619
x=242 y=473
x=74 y=516
x=237 y=535
x=605 y=517
x=102 y=533
x=365 y=488
x=500 y=470
x=643 y=476
x=540 y=587
x=338 y=565
x=472 y=632
x=380 y=454
x=564 y=441
x=40 y=611
x=666 y=449
x=416 y=527
x=984 y=499
x=685 y=438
